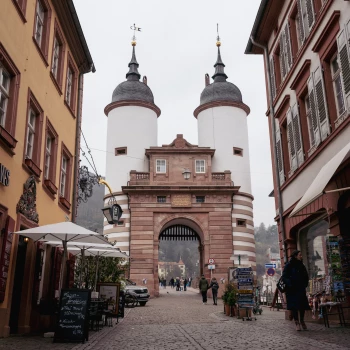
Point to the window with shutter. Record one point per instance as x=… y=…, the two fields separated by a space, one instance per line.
x=297 y=135
x=273 y=78
x=291 y=144
x=322 y=112
x=313 y=115
x=288 y=47
x=310 y=13
x=344 y=61
x=301 y=20
x=282 y=57
x=279 y=155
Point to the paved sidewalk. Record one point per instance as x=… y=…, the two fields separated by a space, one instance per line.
x=179 y=320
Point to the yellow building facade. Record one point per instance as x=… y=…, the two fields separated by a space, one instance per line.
x=43 y=56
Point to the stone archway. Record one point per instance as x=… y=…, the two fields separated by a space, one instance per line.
x=178 y=227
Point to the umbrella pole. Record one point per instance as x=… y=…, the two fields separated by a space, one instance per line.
x=96 y=272
x=63 y=265
x=82 y=266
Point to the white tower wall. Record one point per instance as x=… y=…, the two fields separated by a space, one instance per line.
x=223 y=128
x=133 y=127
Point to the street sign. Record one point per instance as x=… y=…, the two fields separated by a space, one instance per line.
x=211 y=267
x=211 y=261
x=267 y=266
x=270 y=271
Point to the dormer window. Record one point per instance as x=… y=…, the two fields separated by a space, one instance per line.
x=200 y=166
x=161 y=166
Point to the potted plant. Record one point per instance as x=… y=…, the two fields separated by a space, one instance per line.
x=229 y=298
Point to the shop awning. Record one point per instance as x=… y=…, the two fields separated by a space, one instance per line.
x=318 y=185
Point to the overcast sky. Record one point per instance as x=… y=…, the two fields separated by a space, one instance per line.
x=175 y=49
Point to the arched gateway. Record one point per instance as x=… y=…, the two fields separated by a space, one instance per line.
x=205 y=188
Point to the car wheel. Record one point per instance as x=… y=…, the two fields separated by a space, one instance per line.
x=142 y=303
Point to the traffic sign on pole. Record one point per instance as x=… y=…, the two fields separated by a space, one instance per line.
x=211 y=261
x=270 y=271
x=267 y=266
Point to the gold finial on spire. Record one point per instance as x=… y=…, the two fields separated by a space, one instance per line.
x=134 y=28
x=218 y=43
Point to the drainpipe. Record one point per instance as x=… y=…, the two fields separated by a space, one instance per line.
x=77 y=148
x=273 y=129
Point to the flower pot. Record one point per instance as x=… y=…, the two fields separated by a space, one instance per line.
x=233 y=311
x=227 y=310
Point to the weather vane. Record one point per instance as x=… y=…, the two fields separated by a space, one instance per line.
x=134 y=28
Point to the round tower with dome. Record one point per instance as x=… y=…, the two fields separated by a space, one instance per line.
x=131 y=128
x=222 y=125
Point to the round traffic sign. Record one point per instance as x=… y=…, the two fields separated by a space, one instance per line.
x=270 y=271
x=211 y=261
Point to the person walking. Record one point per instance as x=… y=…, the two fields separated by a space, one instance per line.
x=214 y=285
x=203 y=287
x=296 y=279
x=185 y=284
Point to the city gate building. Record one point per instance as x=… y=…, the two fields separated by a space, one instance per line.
x=180 y=190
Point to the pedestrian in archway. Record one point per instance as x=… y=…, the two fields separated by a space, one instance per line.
x=203 y=287
x=296 y=279
x=214 y=285
x=172 y=282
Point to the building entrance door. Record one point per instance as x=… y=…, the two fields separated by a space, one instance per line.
x=18 y=285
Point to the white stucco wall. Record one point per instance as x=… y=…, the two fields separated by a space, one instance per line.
x=223 y=128
x=135 y=128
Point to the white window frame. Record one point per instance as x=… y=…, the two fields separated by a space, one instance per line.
x=30 y=133
x=39 y=22
x=5 y=81
x=55 y=56
x=48 y=145
x=200 y=168
x=160 y=166
x=69 y=85
x=64 y=166
x=338 y=87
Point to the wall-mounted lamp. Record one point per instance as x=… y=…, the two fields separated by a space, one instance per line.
x=113 y=213
x=186 y=174
x=26 y=239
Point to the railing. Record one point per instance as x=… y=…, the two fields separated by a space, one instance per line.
x=137 y=178
x=142 y=176
x=218 y=176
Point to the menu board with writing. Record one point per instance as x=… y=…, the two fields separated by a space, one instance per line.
x=5 y=255
x=73 y=316
x=121 y=304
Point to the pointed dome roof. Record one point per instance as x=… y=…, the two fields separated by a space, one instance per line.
x=220 y=89
x=133 y=89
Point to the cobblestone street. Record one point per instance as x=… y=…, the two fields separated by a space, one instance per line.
x=179 y=320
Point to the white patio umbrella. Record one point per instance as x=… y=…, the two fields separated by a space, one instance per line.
x=64 y=232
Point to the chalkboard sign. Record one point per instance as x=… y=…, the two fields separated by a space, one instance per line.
x=121 y=304
x=73 y=316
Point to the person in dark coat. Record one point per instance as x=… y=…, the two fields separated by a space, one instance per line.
x=203 y=287
x=185 y=284
x=296 y=279
x=214 y=285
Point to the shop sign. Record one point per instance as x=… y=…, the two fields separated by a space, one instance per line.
x=4 y=175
